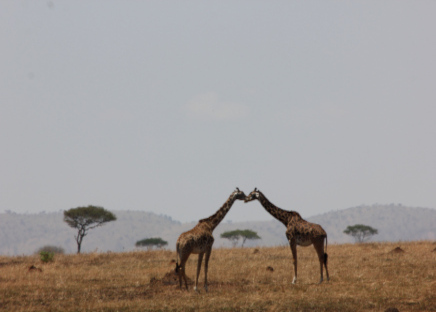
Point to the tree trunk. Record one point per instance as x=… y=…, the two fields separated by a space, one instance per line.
x=79 y=238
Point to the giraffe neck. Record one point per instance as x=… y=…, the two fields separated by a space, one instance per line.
x=216 y=218
x=276 y=212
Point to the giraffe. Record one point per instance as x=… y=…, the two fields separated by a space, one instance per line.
x=199 y=240
x=298 y=231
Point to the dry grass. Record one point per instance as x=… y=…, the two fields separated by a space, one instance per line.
x=366 y=277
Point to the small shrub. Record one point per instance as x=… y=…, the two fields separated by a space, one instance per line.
x=47 y=252
x=46 y=256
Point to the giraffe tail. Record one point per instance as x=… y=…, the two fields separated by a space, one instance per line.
x=177 y=256
x=325 y=252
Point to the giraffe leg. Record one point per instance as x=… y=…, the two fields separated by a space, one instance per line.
x=321 y=263
x=179 y=273
x=294 y=256
x=200 y=259
x=184 y=276
x=181 y=268
x=319 y=247
x=206 y=265
x=325 y=262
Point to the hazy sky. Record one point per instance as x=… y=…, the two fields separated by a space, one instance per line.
x=167 y=106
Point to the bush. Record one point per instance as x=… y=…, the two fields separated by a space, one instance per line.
x=46 y=256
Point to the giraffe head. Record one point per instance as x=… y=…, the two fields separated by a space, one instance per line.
x=252 y=196
x=239 y=194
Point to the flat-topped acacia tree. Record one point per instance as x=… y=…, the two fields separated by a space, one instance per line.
x=360 y=232
x=235 y=235
x=86 y=218
x=150 y=242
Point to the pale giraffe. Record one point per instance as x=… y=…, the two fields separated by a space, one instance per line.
x=298 y=231
x=199 y=240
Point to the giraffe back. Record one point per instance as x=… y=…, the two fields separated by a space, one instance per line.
x=302 y=231
x=197 y=240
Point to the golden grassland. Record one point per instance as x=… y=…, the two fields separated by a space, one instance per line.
x=365 y=277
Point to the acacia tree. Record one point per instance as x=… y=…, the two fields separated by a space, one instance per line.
x=235 y=235
x=86 y=218
x=150 y=242
x=360 y=232
x=232 y=236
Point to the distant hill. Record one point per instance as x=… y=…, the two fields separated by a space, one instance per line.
x=22 y=234
x=393 y=222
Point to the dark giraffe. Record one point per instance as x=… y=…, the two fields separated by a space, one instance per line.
x=298 y=231
x=199 y=240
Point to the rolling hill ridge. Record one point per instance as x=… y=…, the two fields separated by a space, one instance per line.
x=23 y=234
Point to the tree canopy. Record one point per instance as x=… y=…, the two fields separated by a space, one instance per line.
x=50 y=248
x=235 y=235
x=360 y=232
x=86 y=218
x=150 y=242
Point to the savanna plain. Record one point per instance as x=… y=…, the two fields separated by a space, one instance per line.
x=363 y=277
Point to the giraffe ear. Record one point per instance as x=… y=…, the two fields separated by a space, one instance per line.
x=238 y=189
x=255 y=189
